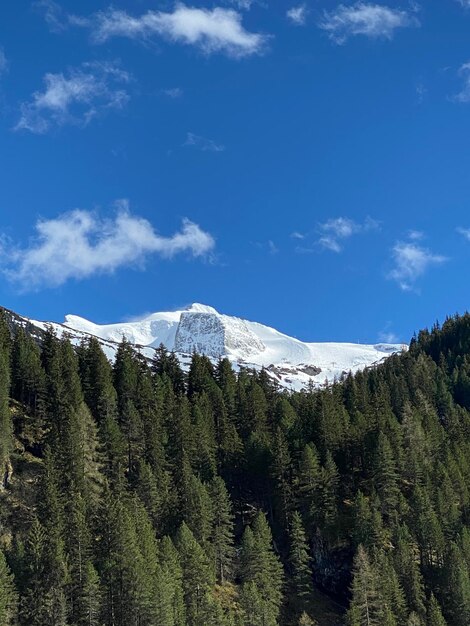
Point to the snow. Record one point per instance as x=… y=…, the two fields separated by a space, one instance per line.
x=200 y=328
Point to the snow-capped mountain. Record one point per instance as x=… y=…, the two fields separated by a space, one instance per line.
x=200 y=328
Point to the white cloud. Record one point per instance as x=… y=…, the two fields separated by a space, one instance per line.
x=210 y=30
x=173 y=92
x=245 y=5
x=273 y=249
x=297 y=15
x=53 y=14
x=79 y=244
x=335 y=231
x=56 y=18
x=415 y=235
x=3 y=62
x=464 y=94
x=411 y=261
x=465 y=232
x=421 y=92
x=386 y=335
x=371 y=20
x=202 y=143
x=74 y=98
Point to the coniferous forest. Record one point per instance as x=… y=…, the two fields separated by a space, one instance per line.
x=134 y=494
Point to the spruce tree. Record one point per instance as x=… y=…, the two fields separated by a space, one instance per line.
x=171 y=610
x=197 y=576
x=366 y=608
x=435 y=617
x=261 y=566
x=222 y=534
x=299 y=564
x=458 y=586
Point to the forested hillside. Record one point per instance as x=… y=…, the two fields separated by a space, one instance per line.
x=137 y=495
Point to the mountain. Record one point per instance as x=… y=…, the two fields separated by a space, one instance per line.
x=200 y=328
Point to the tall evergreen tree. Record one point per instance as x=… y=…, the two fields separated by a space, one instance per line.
x=222 y=535
x=299 y=564
x=435 y=617
x=197 y=576
x=366 y=607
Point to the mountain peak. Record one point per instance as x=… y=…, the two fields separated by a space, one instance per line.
x=196 y=307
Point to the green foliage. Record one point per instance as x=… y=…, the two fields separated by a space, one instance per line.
x=300 y=579
x=145 y=504
x=8 y=594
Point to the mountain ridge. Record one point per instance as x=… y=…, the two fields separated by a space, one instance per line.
x=201 y=328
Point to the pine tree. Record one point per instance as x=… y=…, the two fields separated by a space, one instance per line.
x=261 y=566
x=28 y=384
x=281 y=471
x=171 y=610
x=435 y=617
x=386 y=476
x=256 y=612
x=299 y=564
x=91 y=598
x=222 y=539
x=329 y=493
x=308 y=483
x=369 y=529
x=407 y=568
x=197 y=576
x=97 y=381
x=366 y=607
x=458 y=587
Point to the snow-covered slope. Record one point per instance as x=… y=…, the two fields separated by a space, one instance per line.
x=200 y=328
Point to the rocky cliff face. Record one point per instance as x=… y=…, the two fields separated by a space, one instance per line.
x=215 y=336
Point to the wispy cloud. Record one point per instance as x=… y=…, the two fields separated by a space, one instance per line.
x=54 y=15
x=202 y=143
x=297 y=15
x=334 y=232
x=4 y=64
x=75 y=97
x=80 y=244
x=421 y=92
x=386 y=335
x=370 y=20
x=56 y=18
x=464 y=94
x=465 y=232
x=411 y=261
x=173 y=92
x=273 y=249
x=415 y=235
x=210 y=30
x=245 y=5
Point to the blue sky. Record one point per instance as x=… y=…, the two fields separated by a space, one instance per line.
x=305 y=165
